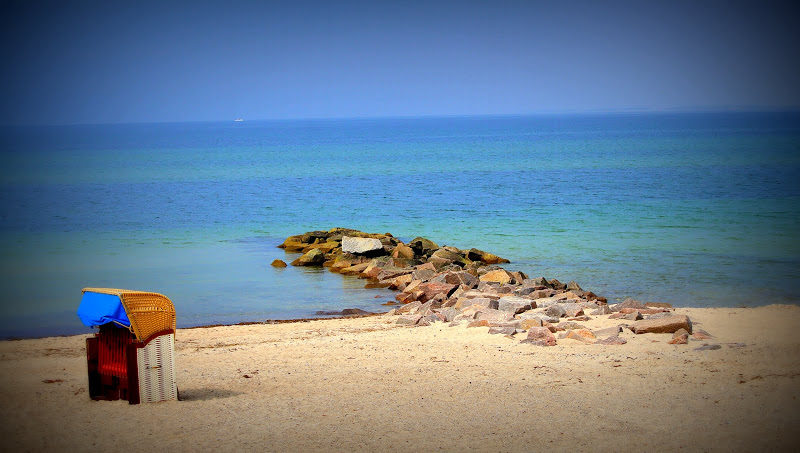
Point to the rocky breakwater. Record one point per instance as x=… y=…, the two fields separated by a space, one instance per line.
x=447 y=284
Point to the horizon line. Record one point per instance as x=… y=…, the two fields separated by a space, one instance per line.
x=631 y=111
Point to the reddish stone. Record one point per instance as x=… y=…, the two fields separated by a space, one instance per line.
x=669 y=324
x=702 y=335
x=542 y=334
x=479 y=323
x=680 y=339
x=430 y=290
x=584 y=335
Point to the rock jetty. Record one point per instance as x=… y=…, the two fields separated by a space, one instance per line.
x=447 y=284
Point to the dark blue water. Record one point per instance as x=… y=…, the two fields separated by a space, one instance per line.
x=692 y=209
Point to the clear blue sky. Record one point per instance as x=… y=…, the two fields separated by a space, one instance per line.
x=89 y=62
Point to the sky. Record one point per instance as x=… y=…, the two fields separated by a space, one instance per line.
x=82 y=62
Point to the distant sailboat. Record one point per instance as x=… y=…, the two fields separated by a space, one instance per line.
x=239 y=120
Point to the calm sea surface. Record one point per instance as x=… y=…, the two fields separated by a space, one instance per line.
x=691 y=209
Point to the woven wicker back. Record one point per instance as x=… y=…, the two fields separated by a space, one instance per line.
x=149 y=313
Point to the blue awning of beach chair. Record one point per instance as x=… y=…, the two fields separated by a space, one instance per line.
x=97 y=309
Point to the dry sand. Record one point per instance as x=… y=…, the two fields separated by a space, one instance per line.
x=368 y=385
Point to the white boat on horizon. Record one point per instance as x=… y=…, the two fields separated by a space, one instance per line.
x=239 y=120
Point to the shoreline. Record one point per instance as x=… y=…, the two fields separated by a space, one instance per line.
x=367 y=384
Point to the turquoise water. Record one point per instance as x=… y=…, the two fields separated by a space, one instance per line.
x=691 y=209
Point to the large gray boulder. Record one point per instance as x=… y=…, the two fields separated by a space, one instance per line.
x=360 y=246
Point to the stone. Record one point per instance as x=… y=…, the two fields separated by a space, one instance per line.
x=701 y=334
x=502 y=330
x=629 y=303
x=430 y=290
x=607 y=332
x=488 y=258
x=355 y=269
x=462 y=278
x=602 y=310
x=423 y=274
x=278 y=263
x=680 y=337
x=669 y=324
x=492 y=315
x=448 y=254
x=409 y=308
x=403 y=251
x=422 y=246
x=314 y=236
x=481 y=294
x=541 y=335
x=401 y=282
x=590 y=296
x=557 y=285
x=612 y=340
x=410 y=320
x=540 y=315
x=519 y=276
x=427 y=266
x=546 y=301
x=313 y=257
x=541 y=293
x=375 y=267
x=539 y=281
x=293 y=244
x=526 y=324
x=479 y=323
x=501 y=276
x=514 y=304
x=449 y=313
x=505 y=289
x=572 y=309
x=426 y=309
x=458 y=292
x=355 y=312
x=569 y=326
x=326 y=247
x=580 y=318
x=632 y=316
x=584 y=335
x=361 y=246
x=572 y=286
x=555 y=311
x=659 y=315
x=464 y=302
x=392 y=273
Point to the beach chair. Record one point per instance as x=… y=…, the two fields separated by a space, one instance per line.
x=132 y=357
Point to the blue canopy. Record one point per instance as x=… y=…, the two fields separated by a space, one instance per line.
x=97 y=309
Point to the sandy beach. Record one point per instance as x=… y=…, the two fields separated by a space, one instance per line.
x=367 y=384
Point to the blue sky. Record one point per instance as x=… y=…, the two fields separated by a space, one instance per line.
x=109 y=62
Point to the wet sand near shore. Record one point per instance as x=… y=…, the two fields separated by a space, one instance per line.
x=368 y=384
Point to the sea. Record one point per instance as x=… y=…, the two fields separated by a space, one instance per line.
x=693 y=209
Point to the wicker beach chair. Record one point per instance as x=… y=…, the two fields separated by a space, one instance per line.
x=133 y=355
